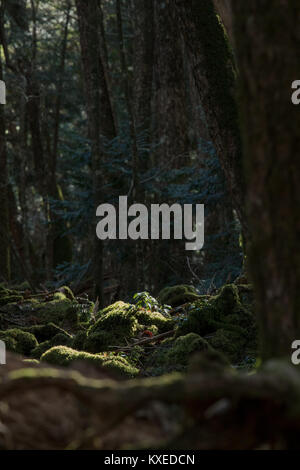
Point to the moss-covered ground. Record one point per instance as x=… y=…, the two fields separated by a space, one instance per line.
x=131 y=339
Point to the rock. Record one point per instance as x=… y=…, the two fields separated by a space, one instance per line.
x=18 y=341
x=177 y=295
x=64 y=356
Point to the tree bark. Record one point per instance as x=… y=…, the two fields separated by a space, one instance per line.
x=170 y=101
x=100 y=116
x=215 y=75
x=143 y=62
x=268 y=44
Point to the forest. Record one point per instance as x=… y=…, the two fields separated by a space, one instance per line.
x=149 y=341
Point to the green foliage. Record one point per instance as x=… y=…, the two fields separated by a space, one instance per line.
x=145 y=300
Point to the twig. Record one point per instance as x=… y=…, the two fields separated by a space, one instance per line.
x=144 y=341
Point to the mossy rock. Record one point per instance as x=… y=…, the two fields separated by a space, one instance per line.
x=223 y=312
x=209 y=361
x=148 y=319
x=23 y=286
x=117 y=307
x=60 y=311
x=61 y=339
x=79 y=340
x=231 y=343
x=177 y=295
x=9 y=299
x=64 y=356
x=119 y=323
x=45 y=332
x=175 y=354
x=18 y=341
x=112 y=329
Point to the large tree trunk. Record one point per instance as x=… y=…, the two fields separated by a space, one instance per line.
x=215 y=75
x=170 y=100
x=268 y=44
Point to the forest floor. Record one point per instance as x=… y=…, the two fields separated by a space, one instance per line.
x=68 y=363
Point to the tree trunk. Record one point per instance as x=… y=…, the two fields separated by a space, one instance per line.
x=143 y=62
x=100 y=117
x=268 y=44
x=215 y=75
x=170 y=101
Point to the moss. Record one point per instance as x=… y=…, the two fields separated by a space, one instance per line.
x=186 y=345
x=177 y=295
x=31 y=361
x=98 y=341
x=119 y=323
x=60 y=339
x=115 y=325
x=231 y=343
x=175 y=354
x=45 y=332
x=221 y=311
x=79 y=340
x=148 y=318
x=209 y=361
x=18 y=341
x=225 y=320
x=60 y=310
x=67 y=292
x=21 y=287
x=120 y=307
x=9 y=299
x=63 y=356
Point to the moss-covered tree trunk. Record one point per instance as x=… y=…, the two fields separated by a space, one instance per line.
x=268 y=45
x=215 y=76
